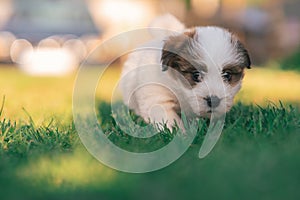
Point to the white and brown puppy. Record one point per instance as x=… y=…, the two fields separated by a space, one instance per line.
x=210 y=59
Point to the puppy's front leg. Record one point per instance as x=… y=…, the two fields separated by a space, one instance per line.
x=156 y=104
x=160 y=115
x=173 y=119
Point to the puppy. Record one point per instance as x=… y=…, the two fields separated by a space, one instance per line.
x=200 y=68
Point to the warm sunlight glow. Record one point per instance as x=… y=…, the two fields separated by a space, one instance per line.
x=48 y=61
x=234 y=5
x=77 y=169
x=121 y=14
x=205 y=8
x=262 y=85
x=122 y=10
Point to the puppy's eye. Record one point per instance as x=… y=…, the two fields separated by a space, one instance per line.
x=227 y=76
x=195 y=76
x=175 y=65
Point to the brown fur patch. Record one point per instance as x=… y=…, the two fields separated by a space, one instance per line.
x=176 y=56
x=237 y=70
x=186 y=69
x=237 y=73
x=245 y=58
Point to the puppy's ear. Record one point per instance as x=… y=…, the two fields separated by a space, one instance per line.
x=173 y=47
x=244 y=55
x=168 y=58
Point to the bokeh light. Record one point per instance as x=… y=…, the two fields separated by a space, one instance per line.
x=6 y=40
x=18 y=48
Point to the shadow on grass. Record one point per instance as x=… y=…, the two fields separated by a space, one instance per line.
x=257 y=157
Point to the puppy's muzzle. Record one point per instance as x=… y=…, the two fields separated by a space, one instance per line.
x=212 y=101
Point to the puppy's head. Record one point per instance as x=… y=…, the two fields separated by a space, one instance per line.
x=212 y=60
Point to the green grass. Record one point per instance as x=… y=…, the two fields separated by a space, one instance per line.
x=41 y=155
x=256 y=158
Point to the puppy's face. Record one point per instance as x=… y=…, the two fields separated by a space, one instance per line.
x=212 y=61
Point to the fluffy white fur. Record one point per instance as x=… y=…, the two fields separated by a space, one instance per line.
x=147 y=84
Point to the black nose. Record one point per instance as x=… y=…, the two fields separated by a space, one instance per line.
x=213 y=101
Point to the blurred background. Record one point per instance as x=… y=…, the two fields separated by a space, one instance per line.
x=54 y=36
x=51 y=38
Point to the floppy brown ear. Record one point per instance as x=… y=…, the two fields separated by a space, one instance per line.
x=168 y=58
x=172 y=48
x=242 y=51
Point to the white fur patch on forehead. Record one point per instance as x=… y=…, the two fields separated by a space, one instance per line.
x=216 y=46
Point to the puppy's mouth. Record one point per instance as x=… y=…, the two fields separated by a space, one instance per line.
x=212 y=110
x=215 y=112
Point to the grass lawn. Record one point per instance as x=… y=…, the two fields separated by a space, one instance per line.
x=42 y=157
